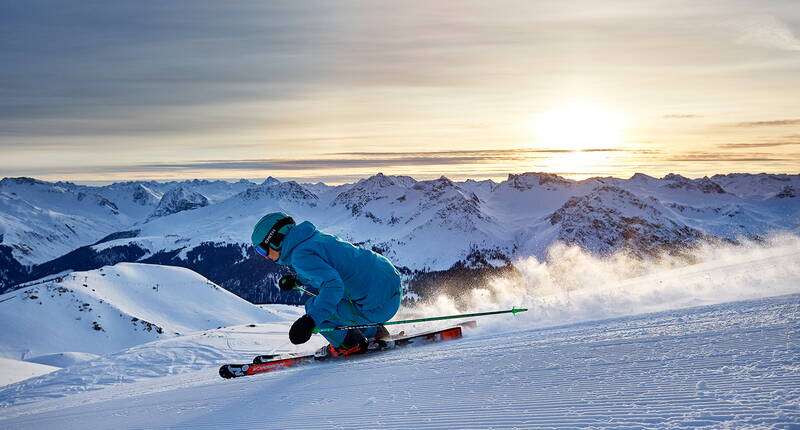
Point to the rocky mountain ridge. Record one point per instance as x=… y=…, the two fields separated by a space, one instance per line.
x=422 y=226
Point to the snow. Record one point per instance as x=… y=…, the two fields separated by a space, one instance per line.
x=727 y=365
x=179 y=199
x=12 y=371
x=712 y=344
x=45 y=220
x=42 y=221
x=576 y=286
x=703 y=337
x=112 y=308
x=63 y=359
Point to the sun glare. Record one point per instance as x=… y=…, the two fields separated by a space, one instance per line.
x=577 y=128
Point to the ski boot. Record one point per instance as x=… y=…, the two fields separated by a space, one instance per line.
x=354 y=342
x=382 y=333
x=381 y=341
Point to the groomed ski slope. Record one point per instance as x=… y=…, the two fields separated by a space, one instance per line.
x=728 y=365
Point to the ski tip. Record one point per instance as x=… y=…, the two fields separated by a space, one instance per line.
x=515 y=311
x=225 y=372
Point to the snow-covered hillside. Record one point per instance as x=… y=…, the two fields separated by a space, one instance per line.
x=41 y=220
x=18 y=370
x=421 y=226
x=728 y=364
x=113 y=308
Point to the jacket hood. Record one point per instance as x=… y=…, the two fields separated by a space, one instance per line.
x=300 y=233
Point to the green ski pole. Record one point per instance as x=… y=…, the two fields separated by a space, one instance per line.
x=448 y=317
x=289 y=283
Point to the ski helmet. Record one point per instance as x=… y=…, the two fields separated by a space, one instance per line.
x=270 y=231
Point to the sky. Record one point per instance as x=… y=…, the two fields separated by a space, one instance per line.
x=335 y=91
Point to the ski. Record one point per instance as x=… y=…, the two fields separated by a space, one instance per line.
x=269 y=363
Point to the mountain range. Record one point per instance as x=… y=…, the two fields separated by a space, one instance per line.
x=425 y=227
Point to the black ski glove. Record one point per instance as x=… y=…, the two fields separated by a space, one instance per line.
x=287 y=282
x=301 y=330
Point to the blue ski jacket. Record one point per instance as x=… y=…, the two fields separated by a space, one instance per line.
x=364 y=279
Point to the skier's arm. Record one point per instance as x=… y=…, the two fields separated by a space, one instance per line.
x=331 y=288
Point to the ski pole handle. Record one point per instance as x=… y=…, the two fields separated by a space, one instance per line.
x=289 y=283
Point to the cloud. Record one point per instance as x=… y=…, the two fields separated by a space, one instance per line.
x=769 y=32
x=362 y=160
x=771 y=123
x=483 y=153
x=729 y=157
x=119 y=68
x=757 y=145
x=680 y=116
x=343 y=166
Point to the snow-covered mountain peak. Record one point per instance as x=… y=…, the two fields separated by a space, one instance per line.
x=675 y=177
x=762 y=185
x=144 y=196
x=449 y=197
x=199 y=182
x=435 y=188
x=321 y=188
x=270 y=181
x=611 y=218
x=67 y=193
x=479 y=183
x=179 y=199
x=289 y=191
x=641 y=177
x=379 y=180
x=704 y=185
x=6 y=182
x=529 y=180
x=395 y=200
x=27 y=187
x=375 y=187
x=479 y=188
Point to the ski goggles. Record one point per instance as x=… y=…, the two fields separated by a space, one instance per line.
x=273 y=238
x=261 y=249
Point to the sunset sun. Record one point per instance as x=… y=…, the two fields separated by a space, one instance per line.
x=577 y=128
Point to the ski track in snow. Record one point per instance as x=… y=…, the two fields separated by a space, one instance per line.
x=718 y=366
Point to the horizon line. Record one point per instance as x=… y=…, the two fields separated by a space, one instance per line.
x=302 y=181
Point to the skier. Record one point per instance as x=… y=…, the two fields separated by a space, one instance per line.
x=356 y=286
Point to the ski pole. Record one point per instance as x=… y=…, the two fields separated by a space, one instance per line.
x=447 y=317
x=305 y=291
x=289 y=283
